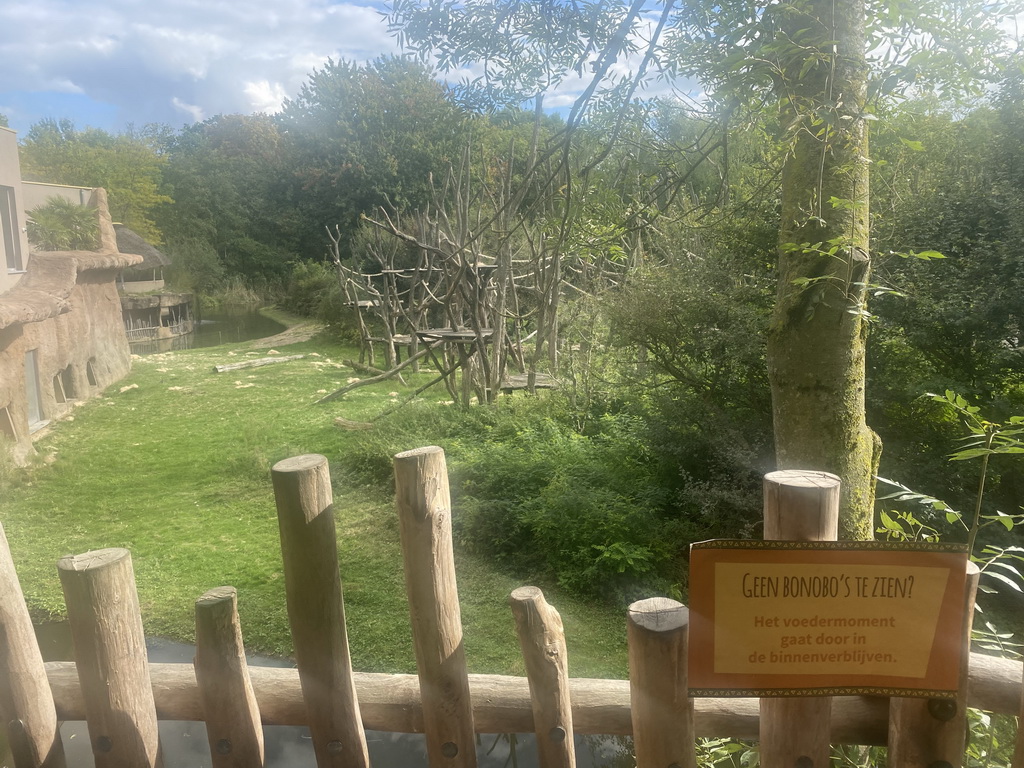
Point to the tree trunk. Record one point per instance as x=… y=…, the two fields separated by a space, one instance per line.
x=817 y=336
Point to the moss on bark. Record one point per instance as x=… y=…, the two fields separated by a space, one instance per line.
x=816 y=341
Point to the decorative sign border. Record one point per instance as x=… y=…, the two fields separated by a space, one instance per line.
x=906 y=640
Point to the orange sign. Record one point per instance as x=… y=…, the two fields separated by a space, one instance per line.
x=778 y=618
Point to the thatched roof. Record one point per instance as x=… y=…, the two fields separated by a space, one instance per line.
x=129 y=241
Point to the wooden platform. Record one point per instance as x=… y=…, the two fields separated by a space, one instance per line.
x=520 y=380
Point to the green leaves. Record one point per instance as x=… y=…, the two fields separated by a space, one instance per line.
x=128 y=165
x=61 y=225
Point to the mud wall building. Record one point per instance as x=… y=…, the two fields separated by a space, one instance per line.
x=62 y=338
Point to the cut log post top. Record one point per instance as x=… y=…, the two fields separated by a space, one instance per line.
x=233 y=725
x=542 y=639
x=110 y=646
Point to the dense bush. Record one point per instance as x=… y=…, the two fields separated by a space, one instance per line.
x=312 y=290
x=607 y=513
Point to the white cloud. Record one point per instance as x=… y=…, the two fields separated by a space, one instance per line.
x=265 y=96
x=196 y=113
x=160 y=60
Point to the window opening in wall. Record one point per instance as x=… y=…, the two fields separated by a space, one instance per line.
x=9 y=235
x=35 y=400
x=58 y=390
x=90 y=374
x=7 y=423
x=67 y=381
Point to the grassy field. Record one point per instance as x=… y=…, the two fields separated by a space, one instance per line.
x=173 y=463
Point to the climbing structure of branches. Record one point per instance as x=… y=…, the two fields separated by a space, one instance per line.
x=483 y=269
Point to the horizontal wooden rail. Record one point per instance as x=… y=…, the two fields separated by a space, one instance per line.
x=502 y=704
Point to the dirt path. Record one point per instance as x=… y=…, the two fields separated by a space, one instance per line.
x=303 y=331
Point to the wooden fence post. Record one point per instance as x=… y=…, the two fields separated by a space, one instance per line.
x=660 y=704
x=26 y=703
x=798 y=506
x=425 y=527
x=110 y=651
x=316 y=611
x=229 y=704
x=547 y=670
x=1018 y=750
x=931 y=733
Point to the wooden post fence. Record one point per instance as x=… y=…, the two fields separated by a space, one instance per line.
x=798 y=506
x=931 y=733
x=425 y=527
x=316 y=612
x=662 y=710
x=222 y=674
x=26 y=704
x=110 y=651
x=547 y=669
x=121 y=696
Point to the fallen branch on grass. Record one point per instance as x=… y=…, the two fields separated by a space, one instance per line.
x=374 y=379
x=254 y=363
x=344 y=423
x=361 y=368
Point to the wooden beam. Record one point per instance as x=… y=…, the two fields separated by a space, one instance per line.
x=501 y=704
x=106 y=627
x=232 y=716
x=316 y=610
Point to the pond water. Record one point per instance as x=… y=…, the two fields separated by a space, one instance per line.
x=233 y=324
x=228 y=325
x=184 y=743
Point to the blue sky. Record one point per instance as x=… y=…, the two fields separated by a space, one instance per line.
x=106 y=63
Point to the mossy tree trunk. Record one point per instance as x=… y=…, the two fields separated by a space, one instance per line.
x=816 y=341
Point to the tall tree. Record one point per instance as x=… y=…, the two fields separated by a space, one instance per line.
x=226 y=177
x=128 y=165
x=809 y=58
x=817 y=337
x=360 y=136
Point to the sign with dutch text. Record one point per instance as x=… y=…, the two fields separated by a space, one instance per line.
x=771 y=618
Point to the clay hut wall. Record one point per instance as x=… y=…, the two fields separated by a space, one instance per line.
x=60 y=323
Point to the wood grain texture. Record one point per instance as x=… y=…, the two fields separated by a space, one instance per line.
x=316 y=611
x=501 y=704
x=542 y=639
x=798 y=506
x=229 y=704
x=923 y=732
x=110 y=651
x=425 y=528
x=661 y=708
x=1018 y=748
x=26 y=703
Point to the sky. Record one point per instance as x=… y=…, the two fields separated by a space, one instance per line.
x=107 y=63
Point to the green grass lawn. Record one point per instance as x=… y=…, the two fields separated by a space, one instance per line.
x=173 y=463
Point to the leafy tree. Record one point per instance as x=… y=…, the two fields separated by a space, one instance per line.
x=360 y=137
x=949 y=183
x=810 y=57
x=128 y=165
x=225 y=175
x=195 y=266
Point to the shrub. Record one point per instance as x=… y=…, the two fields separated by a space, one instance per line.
x=598 y=513
x=61 y=225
